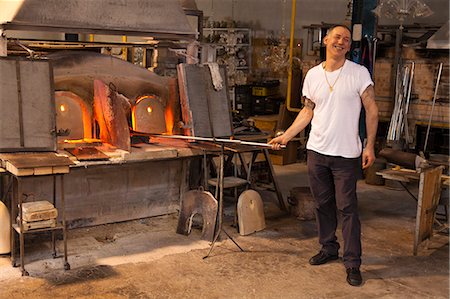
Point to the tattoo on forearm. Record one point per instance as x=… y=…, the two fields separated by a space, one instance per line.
x=369 y=93
x=308 y=103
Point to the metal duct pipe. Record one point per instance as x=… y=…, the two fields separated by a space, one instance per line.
x=408 y=160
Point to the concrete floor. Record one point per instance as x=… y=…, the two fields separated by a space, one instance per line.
x=147 y=259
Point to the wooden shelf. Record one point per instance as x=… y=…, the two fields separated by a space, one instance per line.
x=44 y=229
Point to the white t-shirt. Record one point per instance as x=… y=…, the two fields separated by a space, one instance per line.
x=335 y=124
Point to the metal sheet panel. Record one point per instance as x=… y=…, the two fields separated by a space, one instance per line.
x=219 y=106
x=9 y=105
x=38 y=105
x=441 y=39
x=206 y=112
x=27 y=107
x=129 y=17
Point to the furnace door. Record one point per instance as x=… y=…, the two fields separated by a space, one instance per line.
x=27 y=106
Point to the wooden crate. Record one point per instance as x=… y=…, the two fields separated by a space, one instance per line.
x=285 y=156
x=266 y=123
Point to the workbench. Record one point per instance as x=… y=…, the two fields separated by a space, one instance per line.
x=232 y=151
x=227 y=154
x=430 y=182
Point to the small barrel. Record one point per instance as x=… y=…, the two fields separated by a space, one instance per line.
x=301 y=203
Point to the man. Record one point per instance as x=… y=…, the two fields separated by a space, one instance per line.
x=333 y=93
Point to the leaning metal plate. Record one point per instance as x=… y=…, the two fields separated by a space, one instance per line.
x=206 y=112
x=27 y=106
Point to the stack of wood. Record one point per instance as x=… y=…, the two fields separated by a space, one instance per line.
x=38 y=214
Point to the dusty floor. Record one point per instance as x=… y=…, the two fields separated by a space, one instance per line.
x=147 y=259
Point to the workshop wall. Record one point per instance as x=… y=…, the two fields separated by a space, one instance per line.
x=263 y=16
x=271 y=15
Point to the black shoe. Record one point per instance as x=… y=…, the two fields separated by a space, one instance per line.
x=354 y=277
x=322 y=258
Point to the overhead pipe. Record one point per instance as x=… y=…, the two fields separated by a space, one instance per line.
x=291 y=54
x=408 y=160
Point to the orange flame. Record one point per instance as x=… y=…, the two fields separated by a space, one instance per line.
x=169 y=121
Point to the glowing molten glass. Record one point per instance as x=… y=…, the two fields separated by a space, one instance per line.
x=169 y=121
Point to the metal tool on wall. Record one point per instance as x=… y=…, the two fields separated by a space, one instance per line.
x=432 y=106
x=398 y=127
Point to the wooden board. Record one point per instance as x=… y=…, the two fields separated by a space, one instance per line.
x=37 y=170
x=266 y=123
x=406 y=175
x=19 y=172
x=428 y=200
x=36 y=206
x=40 y=215
x=86 y=142
x=402 y=175
x=87 y=153
x=24 y=164
x=34 y=160
x=150 y=152
x=37 y=224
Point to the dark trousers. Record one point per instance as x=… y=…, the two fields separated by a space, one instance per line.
x=333 y=185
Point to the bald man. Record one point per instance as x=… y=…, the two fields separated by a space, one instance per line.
x=334 y=93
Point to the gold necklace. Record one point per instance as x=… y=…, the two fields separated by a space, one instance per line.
x=326 y=78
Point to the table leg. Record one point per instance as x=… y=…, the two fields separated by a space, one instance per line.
x=13 y=213
x=21 y=234
x=53 y=232
x=274 y=180
x=63 y=208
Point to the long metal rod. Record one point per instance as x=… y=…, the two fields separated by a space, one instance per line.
x=400 y=120
x=392 y=124
x=218 y=140
x=291 y=56
x=432 y=107
x=374 y=53
x=408 y=97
